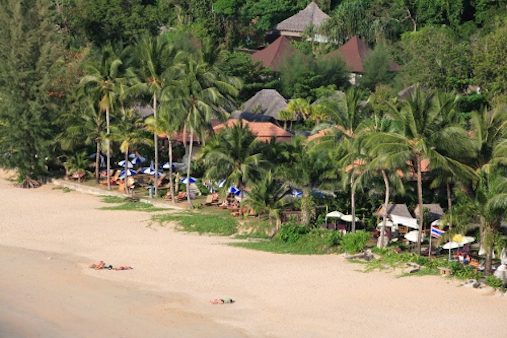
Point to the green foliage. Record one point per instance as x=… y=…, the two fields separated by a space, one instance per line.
x=494 y=282
x=314 y=242
x=435 y=58
x=377 y=68
x=301 y=74
x=354 y=242
x=489 y=65
x=31 y=50
x=128 y=204
x=292 y=232
x=223 y=225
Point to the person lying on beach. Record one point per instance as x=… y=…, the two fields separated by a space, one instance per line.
x=222 y=301
x=102 y=265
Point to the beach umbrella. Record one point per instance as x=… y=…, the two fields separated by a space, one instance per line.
x=412 y=236
x=334 y=214
x=102 y=162
x=297 y=193
x=138 y=159
x=129 y=164
x=130 y=172
x=221 y=183
x=235 y=191
x=166 y=166
x=348 y=218
x=188 y=180
x=457 y=242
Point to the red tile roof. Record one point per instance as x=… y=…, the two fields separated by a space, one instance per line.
x=354 y=53
x=275 y=54
x=264 y=131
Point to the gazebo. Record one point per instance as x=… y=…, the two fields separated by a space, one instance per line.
x=311 y=16
x=394 y=209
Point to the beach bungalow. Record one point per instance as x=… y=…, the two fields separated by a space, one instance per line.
x=264 y=131
x=394 y=209
x=435 y=211
x=275 y=54
x=266 y=102
x=296 y=25
x=354 y=53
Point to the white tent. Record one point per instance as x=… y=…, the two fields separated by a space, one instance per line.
x=406 y=221
x=334 y=214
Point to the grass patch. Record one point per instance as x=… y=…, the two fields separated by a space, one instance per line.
x=63 y=189
x=314 y=242
x=122 y=203
x=201 y=223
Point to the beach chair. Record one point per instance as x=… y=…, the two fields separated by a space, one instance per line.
x=182 y=196
x=209 y=200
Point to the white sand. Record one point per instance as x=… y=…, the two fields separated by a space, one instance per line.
x=277 y=295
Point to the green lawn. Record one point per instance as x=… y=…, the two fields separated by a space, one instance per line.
x=202 y=223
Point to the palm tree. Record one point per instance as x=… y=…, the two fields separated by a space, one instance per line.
x=129 y=131
x=286 y=115
x=420 y=132
x=102 y=77
x=88 y=124
x=157 y=57
x=487 y=206
x=202 y=95
x=233 y=154
x=267 y=197
x=300 y=108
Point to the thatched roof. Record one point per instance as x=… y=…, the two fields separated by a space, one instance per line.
x=394 y=209
x=435 y=211
x=275 y=54
x=311 y=15
x=266 y=102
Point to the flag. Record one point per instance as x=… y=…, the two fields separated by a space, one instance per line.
x=436 y=232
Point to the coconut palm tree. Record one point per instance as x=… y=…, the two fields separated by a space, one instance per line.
x=102 y=76
x=234 y=154
x=129 y=131
x=300 y=108
x=286 y=115
x=88 y=124
x=420 y=132
x=267 y=197
x=202 y=95
x=157 y=58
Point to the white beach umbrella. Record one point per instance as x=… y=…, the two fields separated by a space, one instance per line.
x=388 y=224
x=412 y=236
x=348 y=218
x=334 y=214
x=129 y=164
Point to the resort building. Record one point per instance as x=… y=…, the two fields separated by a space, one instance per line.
x=354 y=53
x=264 y=131
x=275 y=54
x=267 y=103
x=310 y=17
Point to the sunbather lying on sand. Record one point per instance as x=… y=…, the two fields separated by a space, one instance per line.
x=222 y=301
x=102 y=265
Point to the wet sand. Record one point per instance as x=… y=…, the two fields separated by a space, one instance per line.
x=178 y=273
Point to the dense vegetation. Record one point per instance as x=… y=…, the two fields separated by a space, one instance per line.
x=73 y=74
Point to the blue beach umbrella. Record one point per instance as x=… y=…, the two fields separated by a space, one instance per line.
x=138 y=159
x=130 y=172
x=102 y=162
x=129 y=164
x=297 y=193
x=235 y=191
x=190 y=180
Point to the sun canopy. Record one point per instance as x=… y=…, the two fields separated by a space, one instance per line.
x=406 y=221
x=348 y=218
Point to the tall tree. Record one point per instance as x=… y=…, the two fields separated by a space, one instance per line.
x=419 y=133
x=31 y=50
x=103 y=73
x=202 y=95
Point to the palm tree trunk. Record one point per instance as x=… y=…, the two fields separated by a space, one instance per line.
x=126 y=166
x=353 y=202
x=419 y=203
x=305 y=206
x=449 y=203
x=386 y=203
x=285 y=125
x=108 y=153
x=97 y=161
x=171 y=182
x=189 y=162
x=155 y=142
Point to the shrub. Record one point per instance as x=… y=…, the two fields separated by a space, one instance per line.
x=494 y=282
x=355 y=242
x=291 y=232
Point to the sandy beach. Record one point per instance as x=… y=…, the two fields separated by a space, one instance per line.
x=48 y=238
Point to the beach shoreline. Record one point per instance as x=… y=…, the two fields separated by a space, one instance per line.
x=276 y=295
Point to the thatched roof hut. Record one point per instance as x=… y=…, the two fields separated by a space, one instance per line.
x=394 y=209
x=267 y=102
x=294 y=26
x=435 y=211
